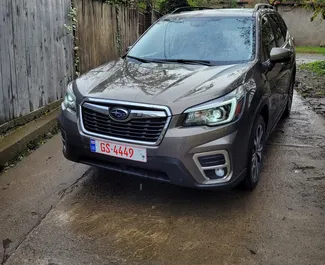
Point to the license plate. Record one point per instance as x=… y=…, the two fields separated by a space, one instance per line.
x=118 y=150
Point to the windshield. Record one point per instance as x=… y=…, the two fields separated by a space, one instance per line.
x=218 y=40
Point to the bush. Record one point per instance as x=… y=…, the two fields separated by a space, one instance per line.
x=168 y=6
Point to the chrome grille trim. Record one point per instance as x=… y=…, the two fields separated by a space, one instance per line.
x=135 y=114
x=155 y=112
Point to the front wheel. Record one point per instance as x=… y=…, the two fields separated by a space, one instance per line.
x=255 y=154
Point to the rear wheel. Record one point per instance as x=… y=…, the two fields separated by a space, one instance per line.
x=255 y=154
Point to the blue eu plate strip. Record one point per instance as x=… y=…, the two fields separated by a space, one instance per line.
x=92 y=145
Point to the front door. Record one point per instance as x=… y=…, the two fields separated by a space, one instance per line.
x=284 y=78
x=271 y=76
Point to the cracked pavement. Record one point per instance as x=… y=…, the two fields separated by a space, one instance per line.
x=54 y=212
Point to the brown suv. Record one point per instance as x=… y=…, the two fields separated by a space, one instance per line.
x=191 y=103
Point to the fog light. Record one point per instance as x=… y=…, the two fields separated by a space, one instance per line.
x=220 y=172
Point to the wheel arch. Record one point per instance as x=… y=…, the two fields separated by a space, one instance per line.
x=264 y=112
x=263 y=109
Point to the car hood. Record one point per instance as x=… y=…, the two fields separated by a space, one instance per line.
x=178 y=86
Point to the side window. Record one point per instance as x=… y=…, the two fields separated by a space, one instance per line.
x=268 y=39
x=280 y=39
x=283 y=25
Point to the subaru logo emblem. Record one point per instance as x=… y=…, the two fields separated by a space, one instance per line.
x=119 y=114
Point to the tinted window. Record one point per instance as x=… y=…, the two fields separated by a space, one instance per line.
x=277 y=30
x=282 y=25
x=224 y=40
x=268 y=39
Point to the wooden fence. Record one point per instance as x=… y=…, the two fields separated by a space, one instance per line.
x=146 y=19
x=142 y=22
x=36 y=55
x=37 y=50
x=103 y=32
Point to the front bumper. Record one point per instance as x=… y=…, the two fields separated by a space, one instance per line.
x=175 y=160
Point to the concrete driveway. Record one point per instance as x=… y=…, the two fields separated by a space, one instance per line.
x=53 y=212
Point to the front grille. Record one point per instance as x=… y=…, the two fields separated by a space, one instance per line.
x=141 y=130
x=212 y=160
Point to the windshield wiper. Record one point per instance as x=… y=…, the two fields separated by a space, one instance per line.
x=143 y=60
x=185 y=61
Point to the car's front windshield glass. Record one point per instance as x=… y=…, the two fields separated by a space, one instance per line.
x=218 y=40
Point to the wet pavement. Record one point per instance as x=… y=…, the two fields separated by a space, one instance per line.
x=53 y=212
x=311 y=85
x=309 y=57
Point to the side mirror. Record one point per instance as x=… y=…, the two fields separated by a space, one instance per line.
x=280 y=55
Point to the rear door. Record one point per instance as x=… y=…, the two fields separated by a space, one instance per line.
x=282 y=41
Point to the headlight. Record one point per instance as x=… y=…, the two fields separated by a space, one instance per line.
x=220 y=111
x=69 y=101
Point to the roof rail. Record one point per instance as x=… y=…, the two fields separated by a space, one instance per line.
x=189 y=8
x=261 y=6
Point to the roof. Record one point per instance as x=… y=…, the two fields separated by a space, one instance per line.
x=236 y=12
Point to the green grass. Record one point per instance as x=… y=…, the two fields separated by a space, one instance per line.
x=310 y=49
x=316 y=67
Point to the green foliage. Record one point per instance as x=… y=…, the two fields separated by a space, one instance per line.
x=118 y=33
x=310 y=49
x=115 y=2
x=169 y=6
x=142 y=5
x=72 y=31
x=73 y=17
x=315 y=67
x=318 y=10
x=213 y=3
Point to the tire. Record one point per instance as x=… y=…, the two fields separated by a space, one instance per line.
x=255 y=154
x=287 y=110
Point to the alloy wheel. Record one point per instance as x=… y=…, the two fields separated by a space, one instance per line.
x=257 y=153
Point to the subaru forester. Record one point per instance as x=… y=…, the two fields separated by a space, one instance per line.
x=192 y=102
